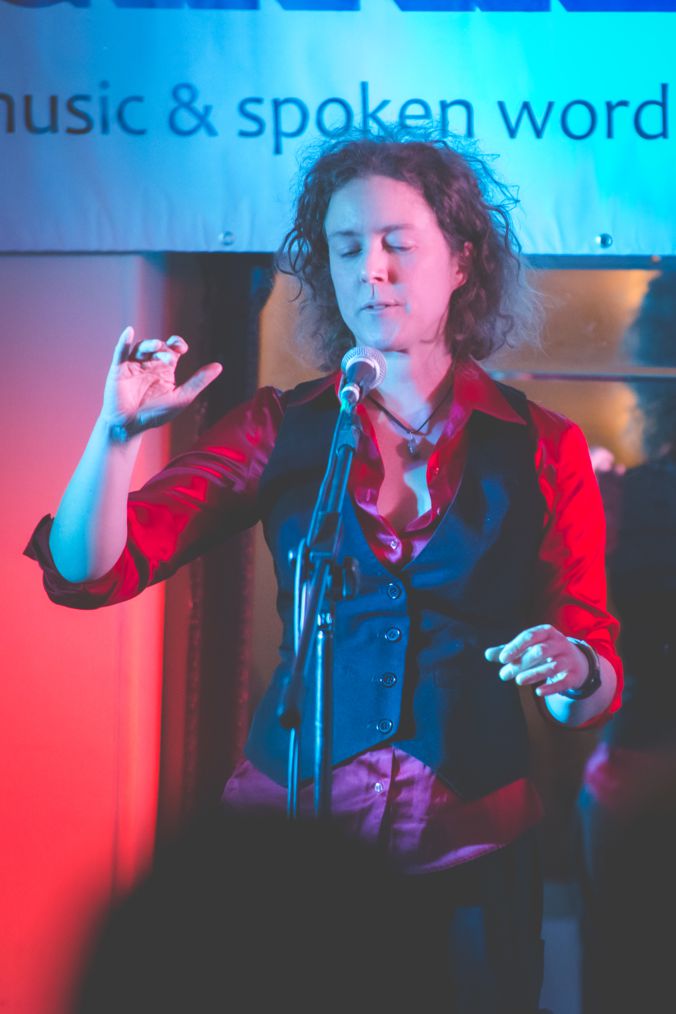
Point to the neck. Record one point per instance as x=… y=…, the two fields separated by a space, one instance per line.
x=415 y=380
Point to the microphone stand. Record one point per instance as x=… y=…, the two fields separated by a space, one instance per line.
x=320 y=582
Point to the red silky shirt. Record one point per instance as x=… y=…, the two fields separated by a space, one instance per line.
x=384 y=795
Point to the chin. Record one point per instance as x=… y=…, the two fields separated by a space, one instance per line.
x=383 y=340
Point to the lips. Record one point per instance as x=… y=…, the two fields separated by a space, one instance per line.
x=378 y=305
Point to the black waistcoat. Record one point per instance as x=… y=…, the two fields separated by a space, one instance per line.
x=408 y=649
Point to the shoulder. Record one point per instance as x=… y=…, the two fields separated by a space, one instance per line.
x=309 y=391
x=563 y=462
x=558 y=437
x=257 y=420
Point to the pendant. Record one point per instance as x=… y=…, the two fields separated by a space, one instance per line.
x=412 y=445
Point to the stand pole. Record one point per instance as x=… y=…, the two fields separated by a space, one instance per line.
x=320 y=582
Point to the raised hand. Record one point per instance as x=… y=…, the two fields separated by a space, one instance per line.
x=140 y=390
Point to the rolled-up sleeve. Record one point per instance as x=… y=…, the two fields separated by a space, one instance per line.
x=200 y=498
x=571 y=580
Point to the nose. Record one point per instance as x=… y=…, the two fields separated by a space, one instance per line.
x=374 y=267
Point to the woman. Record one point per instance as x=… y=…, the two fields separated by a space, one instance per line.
x=474 y=516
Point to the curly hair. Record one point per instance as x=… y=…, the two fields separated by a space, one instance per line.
x=494 y=307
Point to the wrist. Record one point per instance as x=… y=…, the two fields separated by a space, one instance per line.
x=592 y=681
x=115 y=432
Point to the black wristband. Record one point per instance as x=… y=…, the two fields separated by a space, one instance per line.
x=593 y=680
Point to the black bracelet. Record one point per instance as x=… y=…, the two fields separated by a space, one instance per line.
x=593 y=680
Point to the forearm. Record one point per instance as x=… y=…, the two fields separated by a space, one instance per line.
x=90 y=527
x=571 y=590
x=576 y=713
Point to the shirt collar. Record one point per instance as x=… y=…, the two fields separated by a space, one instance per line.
x=476 y=391
x=473 y=391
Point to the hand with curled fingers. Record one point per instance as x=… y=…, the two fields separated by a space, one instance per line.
x=541 y=657
x=141 y=391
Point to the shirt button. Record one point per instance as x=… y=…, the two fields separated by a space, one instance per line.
x=385 y=725
x=393 y=634
x=393 y=590
x=388 y=679
x=394 y=543
x=378 y=787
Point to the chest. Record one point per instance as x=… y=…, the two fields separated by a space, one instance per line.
x=493 y=506
x=404 y=493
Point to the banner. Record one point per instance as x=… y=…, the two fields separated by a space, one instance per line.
x=147 y=125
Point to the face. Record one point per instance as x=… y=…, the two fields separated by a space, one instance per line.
x=392 y=269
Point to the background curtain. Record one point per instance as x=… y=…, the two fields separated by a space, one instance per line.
x=215 y=303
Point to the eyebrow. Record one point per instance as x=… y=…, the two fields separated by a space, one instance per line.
x=355 y=232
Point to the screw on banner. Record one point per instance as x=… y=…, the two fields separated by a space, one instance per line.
x=226 y=238
x=604 y=240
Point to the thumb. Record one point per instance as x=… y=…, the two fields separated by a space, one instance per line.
x=123 y=346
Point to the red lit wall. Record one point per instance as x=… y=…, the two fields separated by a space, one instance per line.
x=80 y=692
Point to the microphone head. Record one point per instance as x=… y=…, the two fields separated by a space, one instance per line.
x=365 y=366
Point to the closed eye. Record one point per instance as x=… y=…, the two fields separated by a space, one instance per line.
x=392 y=247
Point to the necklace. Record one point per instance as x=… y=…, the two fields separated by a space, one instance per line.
x=412 y=436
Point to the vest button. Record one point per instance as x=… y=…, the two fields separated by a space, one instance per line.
x=385 y=725
x=393 y=590
x=388 y=679
x=393 y=634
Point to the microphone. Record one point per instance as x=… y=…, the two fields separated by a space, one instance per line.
x=363 y=370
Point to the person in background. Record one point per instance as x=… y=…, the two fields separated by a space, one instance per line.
x=627 y=803
x=473 y=513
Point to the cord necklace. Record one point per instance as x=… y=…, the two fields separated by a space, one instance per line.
x=413 y=436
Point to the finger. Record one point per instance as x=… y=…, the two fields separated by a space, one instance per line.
x=124 y=346
x=187 y=392
x=524 y=640
x=539 y=653
x=493 y=654
x=178 y=344
x=148 y=347
x=553 y=684
x=166 y=352
x=153 y=348
x=535 y=674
